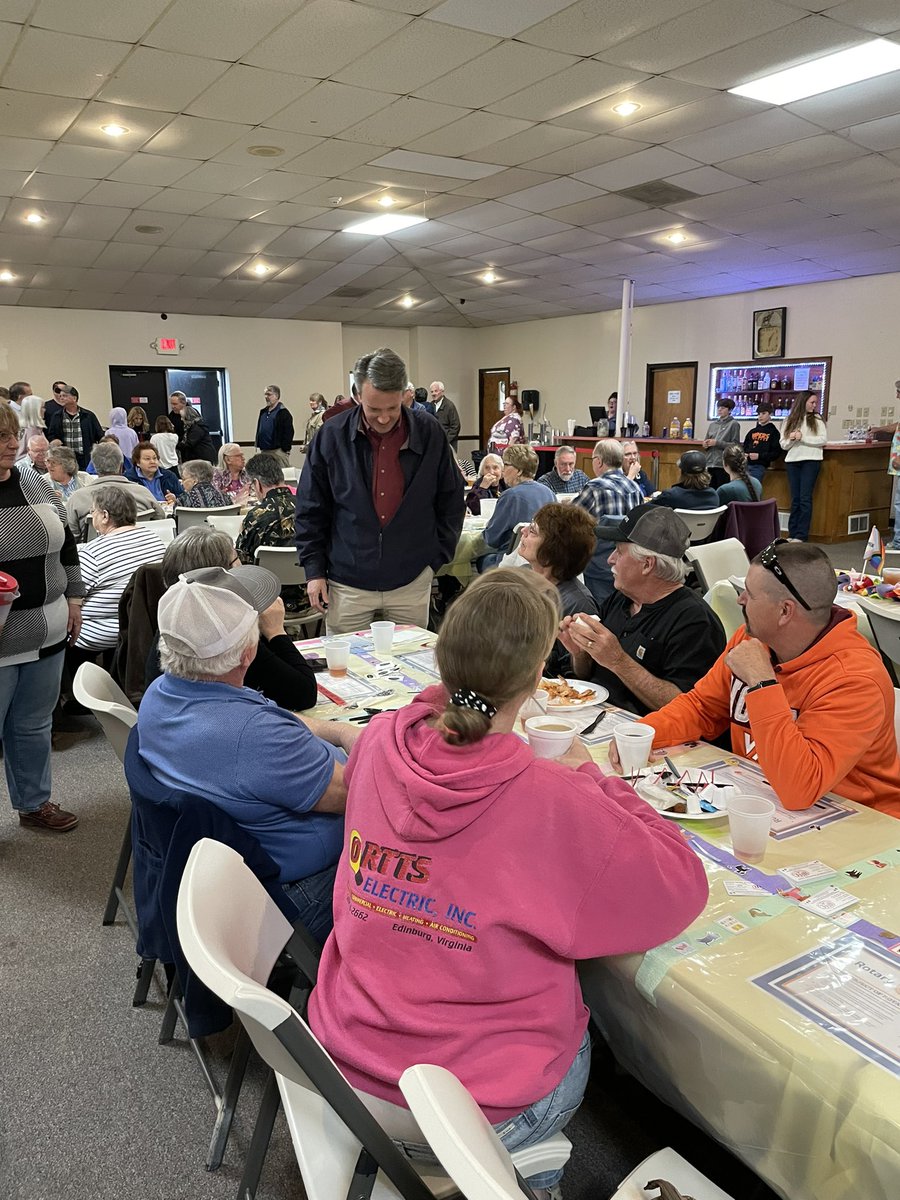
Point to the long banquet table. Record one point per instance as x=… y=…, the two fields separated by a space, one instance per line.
x=775 y=1029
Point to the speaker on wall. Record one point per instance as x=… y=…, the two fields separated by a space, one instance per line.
x=531 y=400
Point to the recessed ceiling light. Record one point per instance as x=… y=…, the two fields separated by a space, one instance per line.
x=824 y=74
x=114 y=131
x=676 y=237
x=407 y=302
x=260 y=269
x=626 y=108
x=389 y=223
x=489 y=277
x=6 y=277
x=265 y=151
x=34 y=218
x=387 y=201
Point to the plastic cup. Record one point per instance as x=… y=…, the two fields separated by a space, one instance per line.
x=550 y=736
x=383 y=636
x=9 y=591
x=337 y=655
x=570 y=426
x=633 y=743
x=487 y=508
x=749 y=822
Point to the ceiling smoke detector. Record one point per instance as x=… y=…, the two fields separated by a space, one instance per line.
x=148 y=229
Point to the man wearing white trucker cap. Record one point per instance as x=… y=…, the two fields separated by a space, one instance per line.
x=202 y=732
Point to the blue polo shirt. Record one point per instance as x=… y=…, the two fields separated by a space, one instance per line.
x=253 y=759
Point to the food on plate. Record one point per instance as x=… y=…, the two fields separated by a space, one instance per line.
x=562 y=693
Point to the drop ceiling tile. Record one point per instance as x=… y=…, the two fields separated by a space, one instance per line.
x=876 y=16
x=691 y=118
x=124 y=256
x=710 y=29
x=178 y=200
x=289 y=214
x=59 y=64
x=92 y=221
x=635 y=225
x=249 y=238
x=160 y=79
x=200 y=232
x=403 y=121
x=829 y=248
x=467 y=245
x=532 y=143
x=789 y=46
x=324 y=36
x=329 y=109
x=85 y=162
x=275 y=186
x=794 y=157
x=92 y=301
x=591 y=212
x=288 y=145
x=44 y=298
x=221 y=177
x=878 y=262
x=492 y=76
x=513 y=180
x=56 y=187
x=574 y=87
x=121 y=195
x=745 y=136
x=195 y=137
x=751 y=197
x=852 y=105
x=330 y=159
x=22 y=154
x=555 y=194
x=165 y=225
x=499 y=19
x=562 y=243
x=424 y=49
x=168 y=260
x=828 y=187
x=356 y=196
x=218 y=264
x=591 y=153
x=235 y=27
x=74 y=252
x=140 y=123
x=23 y=247
x=642 y=167
x=528 y=228
x=577 y=29
x=153 y=169
x=122 y=22
x=883 y=134
x=468 y=134
x=235 y=208
x=249 y=94
x=24 y=114
x=654 y=96
x=483 y=216
x=194 y=286
x=706 y=181
x=150 y=283
x=55 y=215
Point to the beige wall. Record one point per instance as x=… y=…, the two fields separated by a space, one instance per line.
x=41 y=344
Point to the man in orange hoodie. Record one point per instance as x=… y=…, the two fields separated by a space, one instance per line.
x=803 y=692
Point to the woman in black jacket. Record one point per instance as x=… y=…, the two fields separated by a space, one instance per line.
x=196 y=442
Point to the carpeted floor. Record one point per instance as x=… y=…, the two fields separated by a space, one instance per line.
x=94 y=1107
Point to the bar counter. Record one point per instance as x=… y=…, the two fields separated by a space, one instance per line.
x=853 y=480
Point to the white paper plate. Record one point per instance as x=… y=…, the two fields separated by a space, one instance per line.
x=720 y=815
x=593 y=694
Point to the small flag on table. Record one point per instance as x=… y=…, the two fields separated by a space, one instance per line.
x=874 y=552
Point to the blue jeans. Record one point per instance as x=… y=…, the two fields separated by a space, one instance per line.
x=314 y=899
x=28 y=694
x=895 y=544
x=802 y=480
x=757 y=470
x=544 y=1118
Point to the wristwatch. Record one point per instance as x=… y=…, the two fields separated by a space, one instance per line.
x=764 y=683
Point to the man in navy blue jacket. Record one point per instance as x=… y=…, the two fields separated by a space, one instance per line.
x=379 y=505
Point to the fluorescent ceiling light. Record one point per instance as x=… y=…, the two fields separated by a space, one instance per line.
x=389 y=223
x=626 y=108
x=824 y=74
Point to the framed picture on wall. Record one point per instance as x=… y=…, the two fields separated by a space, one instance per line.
x=769 y=326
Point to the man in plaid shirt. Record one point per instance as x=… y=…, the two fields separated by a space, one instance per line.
x=610 y=494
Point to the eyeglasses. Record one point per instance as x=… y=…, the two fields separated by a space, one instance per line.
x=57 y=390
x=532 y=529
x=769 y=559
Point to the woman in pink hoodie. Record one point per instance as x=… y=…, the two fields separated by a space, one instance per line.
x=474 y=875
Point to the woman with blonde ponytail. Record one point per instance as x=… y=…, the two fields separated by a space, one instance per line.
x=473 y=877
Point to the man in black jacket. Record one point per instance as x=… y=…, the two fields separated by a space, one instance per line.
x=75 y=427
x=379 y=505
x=762 y=445
x=275 y=427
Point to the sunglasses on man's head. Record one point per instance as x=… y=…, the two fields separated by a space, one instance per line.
x=769 y=559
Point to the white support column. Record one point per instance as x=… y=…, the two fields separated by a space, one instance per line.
x=624 y=350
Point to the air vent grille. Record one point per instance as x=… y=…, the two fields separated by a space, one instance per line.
x=351 y=293
x=657 y=193
x=858 y=523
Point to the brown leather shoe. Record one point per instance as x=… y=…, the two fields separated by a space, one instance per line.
x=49 y=816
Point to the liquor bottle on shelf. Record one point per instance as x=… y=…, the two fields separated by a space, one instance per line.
x=766 y=382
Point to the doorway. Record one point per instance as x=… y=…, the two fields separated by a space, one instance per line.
x=671 y=392
x=493 y=388
x=205 y=388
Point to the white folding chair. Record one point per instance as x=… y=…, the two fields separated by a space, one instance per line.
x=164 y=530
x=718 y=560
x=146 y=514
x=229 y=524
x=884 y=619
x=466 y=1144
x=186 y=517
x=291 y=474
x=282 y=561
x=722 y=599
x=666 y=1165
x=97 y=690
x=700 y=521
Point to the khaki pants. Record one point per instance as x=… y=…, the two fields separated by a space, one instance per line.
x=351 y=609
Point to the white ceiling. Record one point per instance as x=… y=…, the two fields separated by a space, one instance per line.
x=493 y=118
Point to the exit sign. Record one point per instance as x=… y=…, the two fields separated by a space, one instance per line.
x=166 y=345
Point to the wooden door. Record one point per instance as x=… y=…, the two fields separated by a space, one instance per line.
x=493 y=388
x=671 y=392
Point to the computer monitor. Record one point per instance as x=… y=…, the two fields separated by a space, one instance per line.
x=597 y=413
